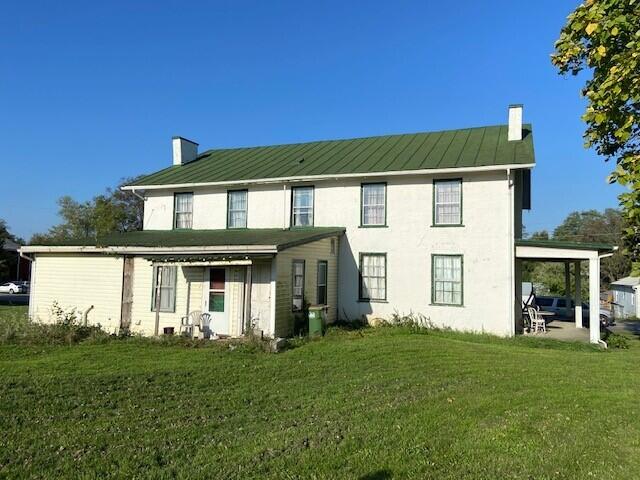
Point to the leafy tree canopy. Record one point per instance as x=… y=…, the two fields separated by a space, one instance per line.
x=603 y=37
x=113 y=211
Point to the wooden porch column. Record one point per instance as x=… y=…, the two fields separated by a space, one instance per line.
x=247 y=300
x=594 y=299
x=578 y=296
x=567 y=290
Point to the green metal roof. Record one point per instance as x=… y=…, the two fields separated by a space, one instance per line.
x=465 y=148
x=600 y=247
x=277 y=237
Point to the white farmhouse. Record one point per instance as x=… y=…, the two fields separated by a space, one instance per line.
x=428 y=223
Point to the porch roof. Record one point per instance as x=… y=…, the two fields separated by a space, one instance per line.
x=254 y=240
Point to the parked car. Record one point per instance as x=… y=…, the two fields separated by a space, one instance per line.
x=25 y=285
x=12 y=287
x=557 y=306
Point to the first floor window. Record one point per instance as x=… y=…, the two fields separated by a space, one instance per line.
x=373 y=276
x=322 y=282
x=447 y=202
x=446 y=278
x=237 y=209
x=373 y=204
x=164 y=283
x=298 y=285
x=302 y=206
x=183 y=210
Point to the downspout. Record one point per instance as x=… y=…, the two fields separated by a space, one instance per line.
x=31 y=261
x=284 y=206
x=138 y=195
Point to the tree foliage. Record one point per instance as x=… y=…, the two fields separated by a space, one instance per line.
x=113 y=211
x=8 y=260
x=587 y=226
x=603 y=37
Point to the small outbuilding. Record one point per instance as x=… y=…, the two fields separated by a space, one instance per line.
x=626 y=297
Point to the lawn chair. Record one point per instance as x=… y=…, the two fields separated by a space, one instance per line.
x=536 y=320
x=205 y=325
x=189 y=322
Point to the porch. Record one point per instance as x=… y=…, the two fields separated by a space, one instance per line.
x=572 y=255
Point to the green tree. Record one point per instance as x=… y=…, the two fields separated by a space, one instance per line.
x=603 y=37
x=114 y=211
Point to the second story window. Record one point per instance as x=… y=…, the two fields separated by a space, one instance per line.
x=373 y=202
x=237 y=209
x=447 y=202
x=183 y=210
x=302 y=207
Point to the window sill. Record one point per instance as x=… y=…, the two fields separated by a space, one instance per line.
x=448 y=225
x=373 y=226
x=446 y=305
x=364 y=300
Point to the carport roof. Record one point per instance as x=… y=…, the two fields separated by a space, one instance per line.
x=565 y=245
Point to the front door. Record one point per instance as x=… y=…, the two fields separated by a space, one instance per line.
x=215 y=300
x=261 y=296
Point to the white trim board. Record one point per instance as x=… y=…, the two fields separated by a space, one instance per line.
x=306 y=178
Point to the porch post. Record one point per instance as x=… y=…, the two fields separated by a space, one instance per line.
x=567 y=290
x=594 y=299
x=578 y=311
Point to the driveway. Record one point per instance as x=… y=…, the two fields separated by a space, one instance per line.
x=14 y=299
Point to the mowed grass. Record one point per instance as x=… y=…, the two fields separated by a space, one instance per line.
x=385 y=403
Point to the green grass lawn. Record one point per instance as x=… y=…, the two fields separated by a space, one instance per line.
x=384 y=403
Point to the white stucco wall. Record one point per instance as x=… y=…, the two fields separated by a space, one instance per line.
x=409 y=241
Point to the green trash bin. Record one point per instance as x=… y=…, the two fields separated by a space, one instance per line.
x=316 y=320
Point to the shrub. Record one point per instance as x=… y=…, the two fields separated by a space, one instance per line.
x=66 y=329
x=616 y=341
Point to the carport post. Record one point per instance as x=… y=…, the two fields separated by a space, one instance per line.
x=578 y=310
x=594 y=299
x=567 y=290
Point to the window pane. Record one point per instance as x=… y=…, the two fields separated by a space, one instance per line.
x=167 y=288
x=216 y=278
x=183 y=210
x=237 y=214
x=373 y=277
x=216 y=302
x=448 y=199
x=447 y=279
x=302 y=209
x=373 y=204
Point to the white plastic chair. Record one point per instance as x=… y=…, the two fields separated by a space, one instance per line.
x=536 y=320
x=205 y=324
x=189 y=322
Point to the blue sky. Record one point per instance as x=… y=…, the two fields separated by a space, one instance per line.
x=93 y=91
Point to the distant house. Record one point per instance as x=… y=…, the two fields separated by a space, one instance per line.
x=429 y=223
x=626 y=296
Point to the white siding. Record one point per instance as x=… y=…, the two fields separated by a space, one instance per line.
x=311 y=253
x=143 y=318
x=78 y=281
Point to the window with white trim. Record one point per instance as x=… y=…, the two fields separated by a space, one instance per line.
x=183 y=210
x=447 y=202
x=446 y=277
x=373 y=276
x=297 y=283
x=302 y=206
x=167 y=288
x=237 y=209
x=373 y=204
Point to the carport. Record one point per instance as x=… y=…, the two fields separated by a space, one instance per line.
x=569 y=253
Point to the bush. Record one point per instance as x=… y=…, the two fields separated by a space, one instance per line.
x=66 y=329
x=616 y=341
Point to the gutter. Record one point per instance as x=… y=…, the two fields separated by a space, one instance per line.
x=152 y=250
x=303 y=178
